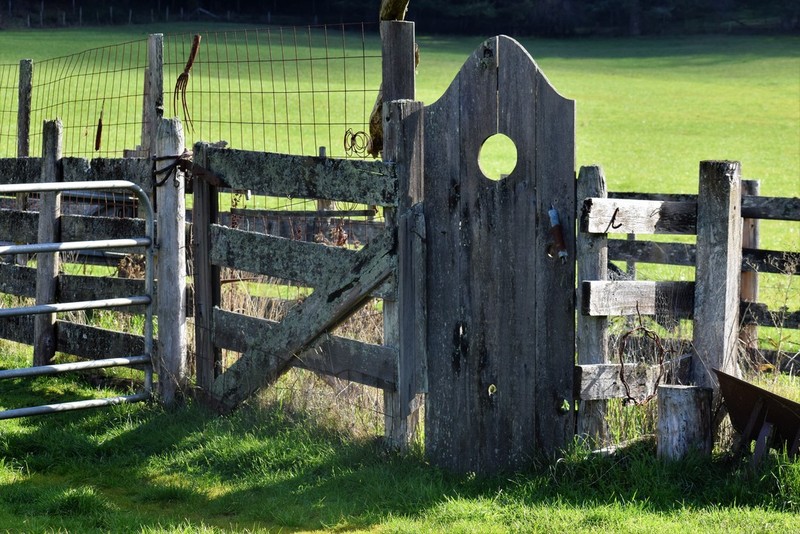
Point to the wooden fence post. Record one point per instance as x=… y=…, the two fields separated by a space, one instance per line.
x=44 y=326
x=403 y=144
x=24 y=130
x=153 y=102
x=171 y=243
x=718 y=271
x=206 y=278
x=592 y=334
x=749 y=290
x=398 y=83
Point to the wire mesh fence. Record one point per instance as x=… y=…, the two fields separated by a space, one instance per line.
x=289 y=90
x=9 y=86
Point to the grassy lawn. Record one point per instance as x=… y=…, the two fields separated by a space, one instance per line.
x=136 y=468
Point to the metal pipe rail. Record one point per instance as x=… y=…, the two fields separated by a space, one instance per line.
x=147 y=241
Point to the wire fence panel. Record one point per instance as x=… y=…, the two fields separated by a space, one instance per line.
x=289 y=90
x=9 y=100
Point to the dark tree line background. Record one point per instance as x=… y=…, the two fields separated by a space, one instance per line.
x=552 y=18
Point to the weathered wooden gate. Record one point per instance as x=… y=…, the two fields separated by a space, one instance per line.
x=500 y=297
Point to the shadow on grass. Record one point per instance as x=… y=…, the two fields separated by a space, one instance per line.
x=143 y=467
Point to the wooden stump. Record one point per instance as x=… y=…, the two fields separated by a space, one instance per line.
x=684 y=421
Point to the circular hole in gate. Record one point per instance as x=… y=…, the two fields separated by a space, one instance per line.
x=497 y=157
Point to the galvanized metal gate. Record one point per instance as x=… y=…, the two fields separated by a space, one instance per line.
x=146 y=300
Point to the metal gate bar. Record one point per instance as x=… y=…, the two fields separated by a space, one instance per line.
x=146 y=300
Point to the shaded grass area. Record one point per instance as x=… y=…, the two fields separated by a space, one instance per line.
x=138 y=468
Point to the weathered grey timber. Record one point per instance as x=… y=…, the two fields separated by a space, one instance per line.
x=24 y=108
x=402 y=143
x=348 y=285
x=308 y=263
x=94 y=343
x=265 y=173
x=753 y=206
x=20 y=170
x=49 y=230
x=136 y=170
x=592 y=332
x=684 y=421
x=762 y=261
x=754 y=313
x=717 y=276
x=18 y=329
x=19 y=226
x=500 y=322
x=206 y=278
x=173 y=373
x=153 y=101
x=79 y=288
x=603 y=381
x=777 y=208
x=623 y=216
x=17 y=280
x=634 y=297
x=372 y=365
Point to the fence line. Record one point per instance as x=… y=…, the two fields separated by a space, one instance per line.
x=9 y=85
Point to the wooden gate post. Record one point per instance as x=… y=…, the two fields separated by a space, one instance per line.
x=171 y=243
x=44 y=326
x=398 y=83
x=718 y=271
x=592 y=334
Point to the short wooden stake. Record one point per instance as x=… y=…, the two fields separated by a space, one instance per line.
x=684 y=421
x=171 y=241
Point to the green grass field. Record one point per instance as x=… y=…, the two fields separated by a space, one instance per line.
x=648 y=110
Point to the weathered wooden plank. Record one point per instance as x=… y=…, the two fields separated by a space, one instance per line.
x=300 y=227
x=717 y=275
x=95 y=343
x=80 y=227
x=136 y=170
x=305 y=262
x=762 y=261
x=776 y=208
x=18 y=226
x=651 y=252
x=626 y=216
x=364 y=363
x=153 y=101
x=634 y=297
x=755 y=313
x=753 y=206
x=20 y=170
x=18 y=329
x=347 y=286
x=49 y=231
x=603 y=381
x=366 y=182
x=592 y=332
x=75 y=288
x=17 y=280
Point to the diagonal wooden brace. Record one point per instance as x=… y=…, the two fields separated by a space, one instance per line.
x=330 y=303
